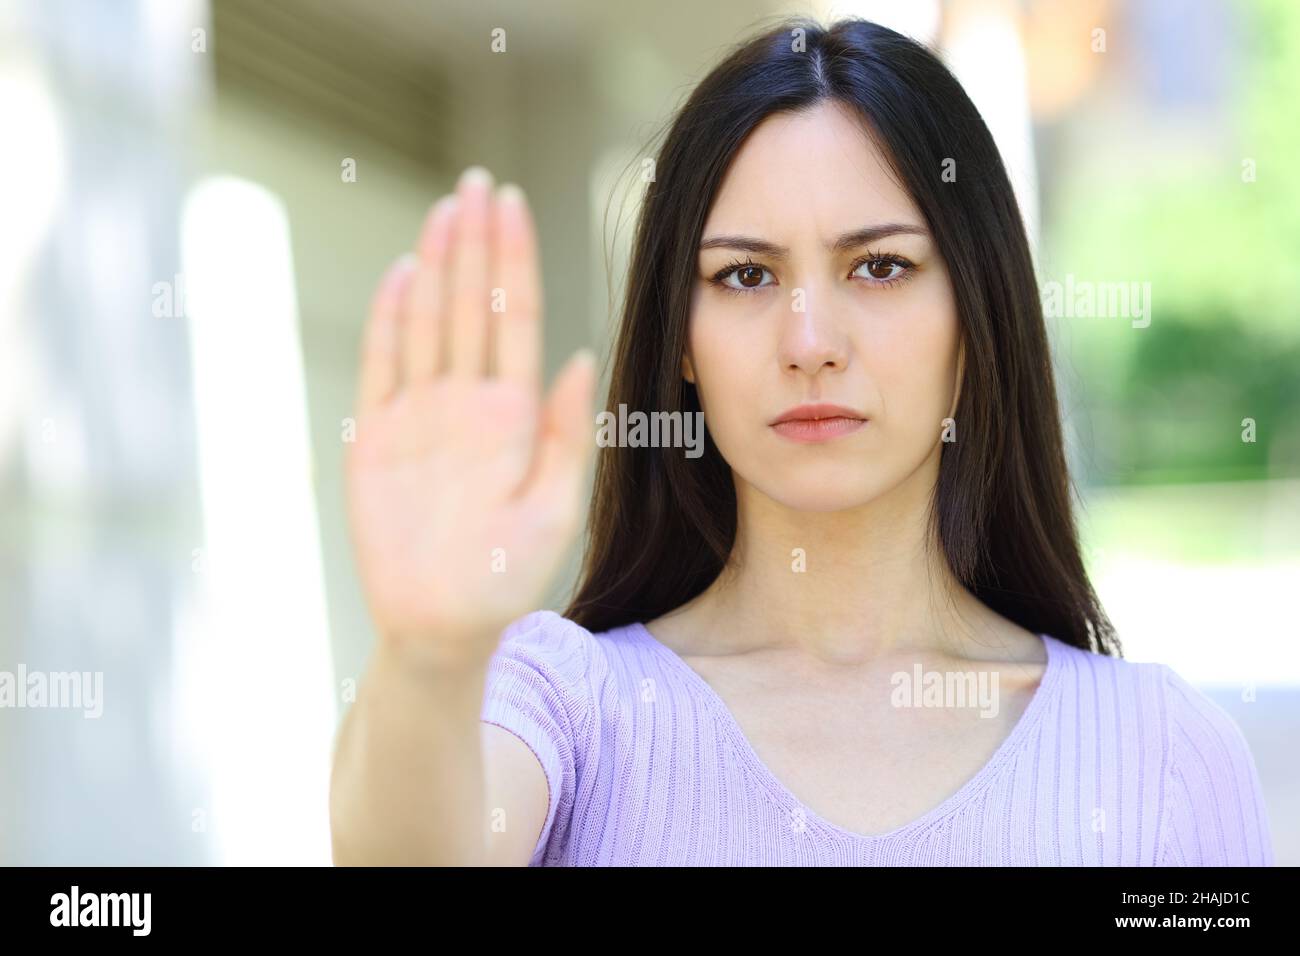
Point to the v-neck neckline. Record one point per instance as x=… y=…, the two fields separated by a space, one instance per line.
x=755 y=765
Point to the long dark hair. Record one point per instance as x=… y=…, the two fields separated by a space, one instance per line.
x=661 y=526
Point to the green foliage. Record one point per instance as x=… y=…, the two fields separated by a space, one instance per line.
x=1169 y=204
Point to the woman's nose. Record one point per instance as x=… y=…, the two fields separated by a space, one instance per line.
x=811 y=339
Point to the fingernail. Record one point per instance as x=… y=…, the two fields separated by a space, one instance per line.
x=510 y=192
x=395 y=277
x=475 y=176
x=401 y=268
x=443 y=208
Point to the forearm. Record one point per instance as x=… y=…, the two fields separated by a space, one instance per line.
x=407 y=786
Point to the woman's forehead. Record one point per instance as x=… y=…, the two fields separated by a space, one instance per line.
x=813 y=168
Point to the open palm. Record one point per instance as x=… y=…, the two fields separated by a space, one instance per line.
x=464 y=485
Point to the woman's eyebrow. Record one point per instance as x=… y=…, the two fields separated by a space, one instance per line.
x=849 y=240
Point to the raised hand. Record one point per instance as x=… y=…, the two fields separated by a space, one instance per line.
x=464 y=485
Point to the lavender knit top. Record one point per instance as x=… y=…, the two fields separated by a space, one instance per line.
x=1113 y=763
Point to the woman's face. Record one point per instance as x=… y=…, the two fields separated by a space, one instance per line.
x=813 y=314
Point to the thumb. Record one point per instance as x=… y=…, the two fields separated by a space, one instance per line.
x=566 y=433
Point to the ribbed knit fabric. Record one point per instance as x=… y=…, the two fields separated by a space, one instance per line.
x=1113 y=763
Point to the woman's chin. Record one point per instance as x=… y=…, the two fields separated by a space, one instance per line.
x=825 y=496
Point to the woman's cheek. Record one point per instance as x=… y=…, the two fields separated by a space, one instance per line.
x=729 y=392
x=716 y=357
x=915 y=370
x=725 y=404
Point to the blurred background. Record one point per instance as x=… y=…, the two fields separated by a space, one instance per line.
x=196 y=199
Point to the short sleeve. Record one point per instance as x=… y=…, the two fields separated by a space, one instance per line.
x=536 y=689
x=1214 y=812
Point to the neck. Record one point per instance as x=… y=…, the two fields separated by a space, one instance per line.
x=846 y=586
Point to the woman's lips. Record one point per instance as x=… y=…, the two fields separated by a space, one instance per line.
x=817 y=429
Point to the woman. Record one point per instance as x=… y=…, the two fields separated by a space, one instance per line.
x=857 y=628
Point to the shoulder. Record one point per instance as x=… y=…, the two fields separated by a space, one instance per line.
x=540 y=686
x=566 y=645
x=1144 y=716
x=1204 y=739
x=554 y=656
x=1104 y=681
x=1194 y=716
x=1148 y=700
x=1201 y=733
x=549 y=637
x=1108 y=707
x=1214 y=800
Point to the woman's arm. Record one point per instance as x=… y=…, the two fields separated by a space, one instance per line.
x=419 y=780
x=464 y=492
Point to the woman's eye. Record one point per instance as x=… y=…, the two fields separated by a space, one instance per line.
x=883 y=269
x=746 y=277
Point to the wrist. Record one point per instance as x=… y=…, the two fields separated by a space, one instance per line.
x=435 y=657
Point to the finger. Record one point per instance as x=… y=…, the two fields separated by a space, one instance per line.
x=469 y=275
x=566 y=435
x=514 y=331
x=425 y=305
x=380 y=346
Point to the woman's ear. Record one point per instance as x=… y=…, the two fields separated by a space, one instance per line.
x=688 y=371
